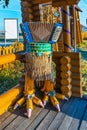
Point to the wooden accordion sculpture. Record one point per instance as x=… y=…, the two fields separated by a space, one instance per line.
x=38 y=39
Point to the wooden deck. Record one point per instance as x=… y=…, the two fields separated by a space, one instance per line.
x=73 y=116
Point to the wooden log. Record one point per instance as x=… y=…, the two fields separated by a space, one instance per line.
x=67 y=94
x=27 y=10
x=58 y=70
x=57 y=60
x=76 y=76
x=66 y=23
x=66 y=88
x=58 y=86
x=24 y=19
x=72 y=55
x=25 y=15
x=65 y=60
x=35 y=7
x=58 y=80
x=75 y=62
x=30 y=10
x=76 y=90
x=76 y=83
x=57 y=64
x=36 y=13
x=30 y=16
x=76 y=69
x=40 y=1
x=77 y=94
x=66 y=81
x=58 y=74
x=65 y=75
x=36 y=19
x=58 y=3
x=26 y=4
x=65 y=68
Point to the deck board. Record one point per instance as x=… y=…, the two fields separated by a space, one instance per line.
x=50 y=117
x=38 y=119
x=60 y=116
x=47 y=121
x=70 y=113
x=7 y=121
x=27 y=121
x=73 y=116
x=75 y=124
x=15 y=123
x=84 y=121
x=4 y=116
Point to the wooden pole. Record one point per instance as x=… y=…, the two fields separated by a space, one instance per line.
x=74 y=15
x=66 y=29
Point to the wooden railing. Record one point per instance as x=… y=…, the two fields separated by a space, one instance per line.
x=15 y=47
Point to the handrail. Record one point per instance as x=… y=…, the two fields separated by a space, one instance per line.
x=5 y=59
x=8 y=98
x=10 y=53
x=16 y=47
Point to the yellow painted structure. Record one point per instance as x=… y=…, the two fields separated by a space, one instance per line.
x=21 y=101
x=8 y=98
x=4 y=59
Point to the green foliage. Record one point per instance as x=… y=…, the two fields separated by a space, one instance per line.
x=84 y=76
x=10 y=76
x=83 y=44
x=5 y=2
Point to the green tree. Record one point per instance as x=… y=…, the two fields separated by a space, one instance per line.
x=4 y=2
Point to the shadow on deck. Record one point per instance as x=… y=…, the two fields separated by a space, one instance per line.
x=73 y=116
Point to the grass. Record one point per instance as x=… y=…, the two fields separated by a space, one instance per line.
x=10 y=75
x=84 y=76
x=83 y=47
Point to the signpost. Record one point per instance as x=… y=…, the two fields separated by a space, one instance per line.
x=11 y=29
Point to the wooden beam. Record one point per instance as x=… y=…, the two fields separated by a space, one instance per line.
x=58 y=3
x=41 y=1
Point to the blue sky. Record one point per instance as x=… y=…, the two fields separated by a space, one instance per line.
x=83 y=16
x=14 y=11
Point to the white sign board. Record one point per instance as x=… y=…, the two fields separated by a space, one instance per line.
x=11 y=28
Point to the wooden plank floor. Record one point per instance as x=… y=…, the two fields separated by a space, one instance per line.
x=73 y=116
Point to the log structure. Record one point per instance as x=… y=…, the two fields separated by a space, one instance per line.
x=58 y=3
x=78 y=30
x=27 y=11
x=31 y=12
x=68 y=68
x=36 y=12
x=66 y=28
x=73 y=75
x=66 y=76
x=78 y=36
